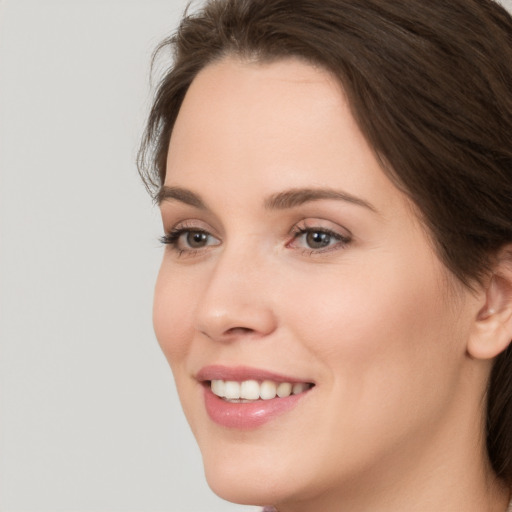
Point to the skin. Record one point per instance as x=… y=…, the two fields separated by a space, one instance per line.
x=374 y=319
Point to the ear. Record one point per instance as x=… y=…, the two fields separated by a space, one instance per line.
x=492 y=330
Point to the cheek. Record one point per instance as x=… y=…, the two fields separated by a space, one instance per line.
x=357 y=310
x=383 y=344
x=173 y=307
x=378 y=328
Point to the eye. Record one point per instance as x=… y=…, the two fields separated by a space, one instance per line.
x=317 y=239
x=189 y=240
x=195 y=239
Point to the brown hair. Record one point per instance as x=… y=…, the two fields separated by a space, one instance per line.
x=430 y=85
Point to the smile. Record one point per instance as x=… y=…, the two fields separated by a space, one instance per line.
x=247 y=398
x=249 y=391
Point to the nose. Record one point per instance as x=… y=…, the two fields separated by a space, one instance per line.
x=237 y=300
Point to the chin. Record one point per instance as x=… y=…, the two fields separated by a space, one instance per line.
x=253 y=472
x=249 y=475
x=242 y=491
x=249 y=486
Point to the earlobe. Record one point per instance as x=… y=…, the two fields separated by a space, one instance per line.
x=492 y=330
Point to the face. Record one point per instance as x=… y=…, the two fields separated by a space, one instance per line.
x=294 y=265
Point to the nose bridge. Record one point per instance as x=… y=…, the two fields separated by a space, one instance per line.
x=236 y=298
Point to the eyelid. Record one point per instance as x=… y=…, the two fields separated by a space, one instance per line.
x=342 y=235
x=192 y=224
x=172 y=237
x=320 y=224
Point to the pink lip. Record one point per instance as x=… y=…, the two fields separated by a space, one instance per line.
x=240 y=373
x=244 y=416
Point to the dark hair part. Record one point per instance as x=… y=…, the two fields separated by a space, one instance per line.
x=430 y=86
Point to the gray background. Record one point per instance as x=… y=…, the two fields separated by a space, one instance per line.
x=89 y=417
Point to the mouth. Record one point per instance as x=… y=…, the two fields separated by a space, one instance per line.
x=245 y=398
x=250 y=391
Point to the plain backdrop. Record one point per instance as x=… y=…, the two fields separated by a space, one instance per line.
x=89 y=417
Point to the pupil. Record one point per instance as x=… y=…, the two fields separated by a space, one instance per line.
x=317 y=239
x=196 y=239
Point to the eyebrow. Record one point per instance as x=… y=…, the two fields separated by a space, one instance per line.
x=182 y=195
x=279 y=201
x=299 y=196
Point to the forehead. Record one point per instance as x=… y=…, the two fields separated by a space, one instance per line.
x=271 y=126
x=231 y=95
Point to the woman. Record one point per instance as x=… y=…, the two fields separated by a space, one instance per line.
x=335 y=298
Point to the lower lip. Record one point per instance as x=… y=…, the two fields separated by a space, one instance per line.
x=245 y=416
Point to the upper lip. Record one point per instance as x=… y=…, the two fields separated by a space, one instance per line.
x=241 y=373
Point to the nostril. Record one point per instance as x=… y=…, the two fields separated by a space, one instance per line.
x=239 y=330
x=227 y=319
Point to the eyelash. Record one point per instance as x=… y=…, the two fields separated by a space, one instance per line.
x=298 y=232
x=172 y=239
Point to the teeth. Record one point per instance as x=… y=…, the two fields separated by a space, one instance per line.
x=232 y=390
x=268 y=390
x=218 y=387
x=299 y=387
x=254 y=390
x=250 y=390
x=284 y=389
